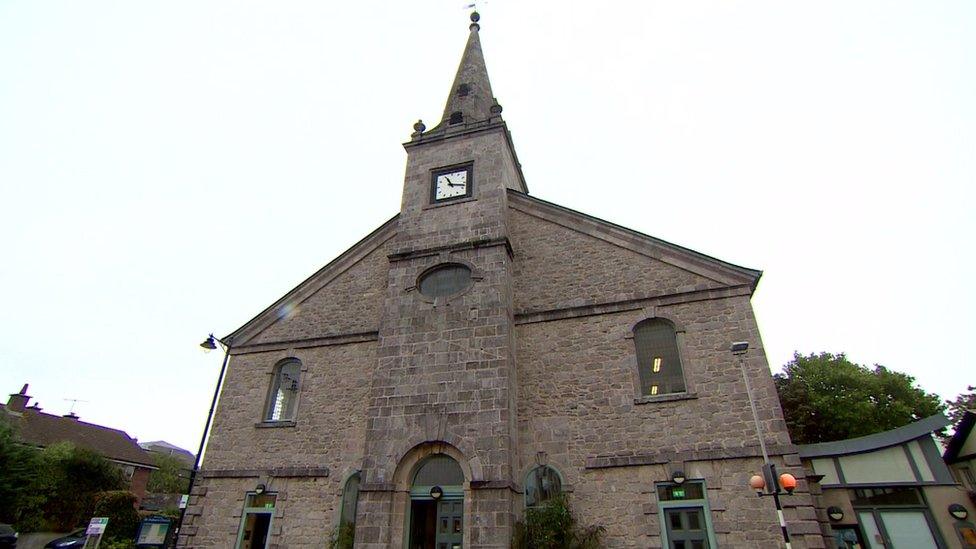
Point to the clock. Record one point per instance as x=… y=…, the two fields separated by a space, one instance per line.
x=451 y=183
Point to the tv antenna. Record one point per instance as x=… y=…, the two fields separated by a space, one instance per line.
x=73 y=402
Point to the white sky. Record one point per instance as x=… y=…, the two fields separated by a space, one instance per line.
x=168 y=169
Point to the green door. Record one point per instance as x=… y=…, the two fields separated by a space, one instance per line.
x=686 y=528
x=449 y=524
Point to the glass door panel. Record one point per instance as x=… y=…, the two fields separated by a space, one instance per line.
x=908 y=530
x=872 y=536
x=686 y=528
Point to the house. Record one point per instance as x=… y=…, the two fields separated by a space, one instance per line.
x=485 y=350
x=960 y=454
x=889 y=489
x=38 y=429
x=159 y=501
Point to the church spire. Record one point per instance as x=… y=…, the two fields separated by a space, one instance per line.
x=470 y=99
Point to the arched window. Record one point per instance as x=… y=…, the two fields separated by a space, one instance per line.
x=350 y=499
x=439 y=470
x=542 y=484
x=657 y=358
x=283 y=397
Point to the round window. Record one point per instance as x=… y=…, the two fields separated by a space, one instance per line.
x=445 y=280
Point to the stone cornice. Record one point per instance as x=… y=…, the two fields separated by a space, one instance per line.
x=531 y=317
x=461 y=246
x=324 y=341
x=664 y=457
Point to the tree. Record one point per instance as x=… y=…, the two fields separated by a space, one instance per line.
x=827 y=397
x=170 y=478
x=74 y=476
x=963 y=403
x=18 y=467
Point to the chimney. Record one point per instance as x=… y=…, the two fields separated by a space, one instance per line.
x=18 y=401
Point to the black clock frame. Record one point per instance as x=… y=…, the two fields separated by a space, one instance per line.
x=468 y=191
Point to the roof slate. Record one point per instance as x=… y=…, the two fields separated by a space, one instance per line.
x=40 y=429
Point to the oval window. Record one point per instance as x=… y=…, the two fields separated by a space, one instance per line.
x=445 y=280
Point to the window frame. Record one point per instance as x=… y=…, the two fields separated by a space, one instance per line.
x=679 y=343
x=702 y=504
x=257 y=511
x=525 y=484
x=273 y=386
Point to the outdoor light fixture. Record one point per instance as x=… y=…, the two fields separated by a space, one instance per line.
x=769 y=477
x=208 y=344
x=678 y=477
x=835 y=513
x=259 y=489
x=436 y=492
x=958 y=511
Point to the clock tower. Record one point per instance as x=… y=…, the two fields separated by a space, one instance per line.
x=445 y=383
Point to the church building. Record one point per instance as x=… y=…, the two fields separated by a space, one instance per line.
x=484 y=351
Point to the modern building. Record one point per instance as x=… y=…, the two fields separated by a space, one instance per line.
x=40 y=430
x=484 y=350
x=960 y=453
x=889 y=489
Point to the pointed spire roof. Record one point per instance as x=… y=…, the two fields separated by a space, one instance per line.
x=471 y=93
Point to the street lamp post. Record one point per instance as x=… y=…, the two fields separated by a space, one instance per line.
x=772 y=483
x=208 y=344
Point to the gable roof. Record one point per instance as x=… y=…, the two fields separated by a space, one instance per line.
x=958 y=440
x=252 y=328
x=679 y=256
x=876 y=441
x=42 y=430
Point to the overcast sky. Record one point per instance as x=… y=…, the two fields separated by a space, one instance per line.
x=168 y=169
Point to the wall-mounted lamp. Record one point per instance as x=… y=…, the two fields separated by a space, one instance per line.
x=678 y=477
x=436 y=492
x=958 y=511
x=259 y=489
x=835 y=513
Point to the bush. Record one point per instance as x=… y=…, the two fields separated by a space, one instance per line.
x=343 y=536
x=119 y=507
x=75 y=477
x=553 y=526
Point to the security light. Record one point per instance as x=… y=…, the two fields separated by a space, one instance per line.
x=740 y=347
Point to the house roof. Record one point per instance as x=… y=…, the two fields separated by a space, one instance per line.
x=39 y=429
x=958 y=440
x=163 y=447
x=876 y=441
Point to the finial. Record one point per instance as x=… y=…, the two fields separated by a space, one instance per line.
x=418 y=128
x=475 y=17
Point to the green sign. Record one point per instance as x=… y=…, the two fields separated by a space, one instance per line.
x=678 y=493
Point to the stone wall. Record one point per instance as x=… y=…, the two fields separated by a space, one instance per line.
x=306 y=460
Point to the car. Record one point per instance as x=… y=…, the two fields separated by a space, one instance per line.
x=8 y=536
x=76 y=539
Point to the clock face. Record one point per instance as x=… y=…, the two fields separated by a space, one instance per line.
x=451 y=184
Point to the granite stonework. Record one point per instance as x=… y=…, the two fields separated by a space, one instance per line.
x=535 y=361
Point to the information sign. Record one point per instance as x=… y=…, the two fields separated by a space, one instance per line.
x=97 y=526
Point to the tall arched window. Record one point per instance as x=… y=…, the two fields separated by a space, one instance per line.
x=283 y=397
x=657 y=358
x=350 y=499
x=542 y=484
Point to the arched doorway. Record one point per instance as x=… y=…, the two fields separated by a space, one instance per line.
x=437 y=504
